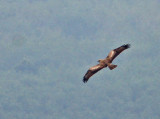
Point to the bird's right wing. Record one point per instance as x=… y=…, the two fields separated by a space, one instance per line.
x=122 y=48
x=91 y=71
x=114 y=53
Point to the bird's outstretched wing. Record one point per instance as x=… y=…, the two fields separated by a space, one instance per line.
x=91 y=71
x=114 y=53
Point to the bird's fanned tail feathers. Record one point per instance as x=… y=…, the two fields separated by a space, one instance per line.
x=112 y=66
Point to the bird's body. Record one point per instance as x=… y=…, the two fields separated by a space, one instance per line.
x=103 y=63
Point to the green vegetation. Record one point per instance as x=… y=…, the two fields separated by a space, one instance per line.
x=48 y=45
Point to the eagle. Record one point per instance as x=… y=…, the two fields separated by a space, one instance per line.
x=103 y=63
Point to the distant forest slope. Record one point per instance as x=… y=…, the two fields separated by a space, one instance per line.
x=47 y=46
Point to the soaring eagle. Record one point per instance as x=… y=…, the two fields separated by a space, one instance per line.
x=105 y=62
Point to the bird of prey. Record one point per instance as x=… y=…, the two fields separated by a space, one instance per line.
x=103 y=63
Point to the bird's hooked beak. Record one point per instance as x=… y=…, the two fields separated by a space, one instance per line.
x=100 y=60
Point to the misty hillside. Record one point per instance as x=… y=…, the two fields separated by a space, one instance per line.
x=48 y=45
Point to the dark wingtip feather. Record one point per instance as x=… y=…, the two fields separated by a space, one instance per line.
x=85 y=79
x=126 y=46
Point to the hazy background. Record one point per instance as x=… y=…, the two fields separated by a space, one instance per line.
x=46 y=46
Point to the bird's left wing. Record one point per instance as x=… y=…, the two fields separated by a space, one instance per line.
x=91 y=71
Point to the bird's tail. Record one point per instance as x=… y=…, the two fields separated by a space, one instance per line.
x=112 y=66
